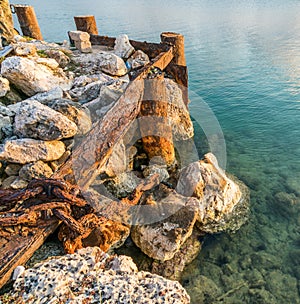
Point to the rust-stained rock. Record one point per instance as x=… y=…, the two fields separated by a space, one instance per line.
x=223 y=201
x=37 y=169
x=27 y=150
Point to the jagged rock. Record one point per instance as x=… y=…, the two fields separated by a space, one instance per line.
x=138 y=59
x=123 y=48
x=5 y=123
x=111 y=64
x=161 y=170
x=171 y=219
x=12 y=169
x=24 y=49
x=81 y=40
x=5 y=111
x=18 y=183
x=4 y=86
x=117 y=162
x=182 y=126
x=62 y=59
x=36 y=120
x=48 y=62
x=37 y=169
x=47 y=97
x=6 y=183
x=91 y=274
x=31 y=77
x=223 y=202
x=75 y=112
x=13 y=96
x=27 y=150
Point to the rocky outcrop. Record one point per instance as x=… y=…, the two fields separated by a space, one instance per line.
x=138 y=59
x=26 y=150
x=31 y=77
x=123 y=48
x=36 y=120
x=222 y=201
x=92 y=275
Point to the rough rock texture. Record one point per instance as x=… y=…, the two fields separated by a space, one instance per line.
x=81 y=41
x=182 y=126
x=4 y=86
x=223 y=202
x=48 y=62
x=123 y=48
x=31 y=77
x=35 y=170
x=75 y=112
x=91 y=276
x=5 y=124
x=111 y=64
x=36 y=120
x=12 y=169
x=162 y=238
x=138 y=59
x=62 y=59
x=24 y=49
x=161 y=170
x=27 y=150
x=46 y=97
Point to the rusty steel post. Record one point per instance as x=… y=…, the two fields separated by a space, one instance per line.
x=28 y=21
x=177 y=41
x=86 y=24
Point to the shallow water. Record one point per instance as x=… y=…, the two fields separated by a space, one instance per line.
x=244 y=64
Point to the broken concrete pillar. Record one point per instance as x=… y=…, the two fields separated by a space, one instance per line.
x=81 y=41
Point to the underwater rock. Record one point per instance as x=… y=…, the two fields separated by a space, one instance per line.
x=27 y=150
x=92 y=275
x=75 y=112
x=36 y=120
x=4 y=86
x=223 y=202
x=122 y=47
x=37 y=169
x=138 y=59
x=31 y=77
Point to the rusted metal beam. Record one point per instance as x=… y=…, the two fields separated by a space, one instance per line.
x=86 y=24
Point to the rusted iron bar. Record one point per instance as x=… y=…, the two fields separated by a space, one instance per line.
x=86 y=24
x=177 y=41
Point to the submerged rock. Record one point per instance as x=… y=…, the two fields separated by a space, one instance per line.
x=27 y=150
x=31 y=77
x=223 y=202
x=91 y=275
x=36 y=120
x=123 y=48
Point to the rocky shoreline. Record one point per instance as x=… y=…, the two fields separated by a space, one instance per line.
x=50 y=97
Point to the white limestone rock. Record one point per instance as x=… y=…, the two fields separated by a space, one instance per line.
x=111 y=64
x=223 y=201
x=138 y=59
x=24 y=49
x=4 y=86
x=91 y=274
x=36 y=120
x=31 y=77
x=81 y=41
x=122 y=47
x=27 y=150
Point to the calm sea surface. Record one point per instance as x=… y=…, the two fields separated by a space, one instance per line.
x=244 y=65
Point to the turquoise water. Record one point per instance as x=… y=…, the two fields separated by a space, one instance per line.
x=244 y=63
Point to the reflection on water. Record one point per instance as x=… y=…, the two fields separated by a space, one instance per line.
x=243 y=59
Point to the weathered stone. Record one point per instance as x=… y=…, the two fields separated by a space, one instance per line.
x=117 y=162
x=12 y=169
x=81 y=41
x=138 y=59
x=37 y=169
x=92 y=274
x=223 y=205
x=173 y=219
x=26 y=150
x=161 y=170
x=182 y=126
x=36 y=120
x=19 y=183
x=24 y=49
x=5 y=111
x=111 y=64
x=123 y=48
x=12 y=96
x=4 y=86
x=6 y=183
x=31 y=77
x=75 y=112
x=62 y=59
x=48 y=62
x=47 y=97
x=5 y=122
